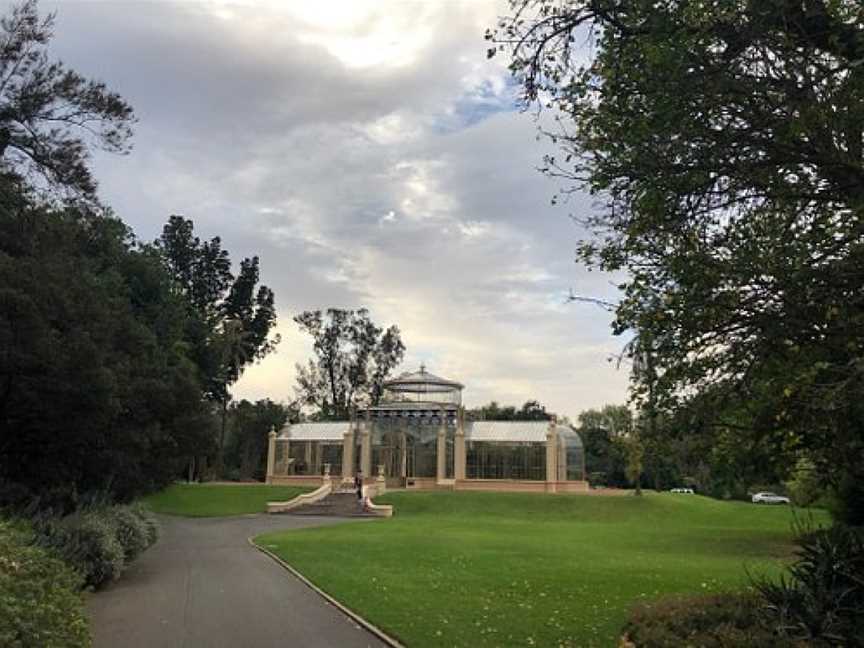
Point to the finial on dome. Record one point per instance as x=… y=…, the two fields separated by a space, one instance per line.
x=422 y=368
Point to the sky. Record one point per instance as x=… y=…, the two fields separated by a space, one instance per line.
x=371 y=156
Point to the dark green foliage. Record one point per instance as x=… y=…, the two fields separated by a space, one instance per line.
x=229 y=318
x=249 y=425
x=724 y=140
x=49 y=115
x=821 y=602
x=40 y=602
x=845 y=500
x=353 y=357
x=604 y=433
x=717 y=621
x=98 y=392
x=530 y=411
x=805 y=488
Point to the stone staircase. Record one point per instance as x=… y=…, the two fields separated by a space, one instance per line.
x=338 y=504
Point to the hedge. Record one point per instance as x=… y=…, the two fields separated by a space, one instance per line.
x=41 y=603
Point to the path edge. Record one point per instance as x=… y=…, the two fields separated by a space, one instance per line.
x=375 y=630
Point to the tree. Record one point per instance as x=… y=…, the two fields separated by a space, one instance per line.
x=51 y=116
x=96 y=390
x=530 y=411
x=604 y=433
x=353 y=358
x=230 y=318
x=250 y=425
x=725 y=139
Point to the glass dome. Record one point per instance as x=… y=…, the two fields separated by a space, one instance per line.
x=422 y=387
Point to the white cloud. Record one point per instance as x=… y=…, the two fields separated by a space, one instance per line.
x=370 y=155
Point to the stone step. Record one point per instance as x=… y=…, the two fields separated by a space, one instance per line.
x=312 y=513
x=336 y=504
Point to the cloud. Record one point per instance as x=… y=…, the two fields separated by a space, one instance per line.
x=371 y=156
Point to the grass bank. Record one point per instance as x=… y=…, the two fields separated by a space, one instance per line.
x=496 y=569
x=219 y=500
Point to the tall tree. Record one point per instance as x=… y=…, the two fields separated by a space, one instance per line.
x=726 y=140
x=231 y=317
x=353 y=357
x=51 y=116
x=96 y=390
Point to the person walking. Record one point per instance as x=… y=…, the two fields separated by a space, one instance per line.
x=358 y=485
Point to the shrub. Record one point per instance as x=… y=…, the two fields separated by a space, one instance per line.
x=40 y=602
x=822 y=599
x=150 y=523
x=132 y=531
x=720 y=620
x=87 y=540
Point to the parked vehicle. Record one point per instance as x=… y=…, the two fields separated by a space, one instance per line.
x=770 y=498
x=682 y=491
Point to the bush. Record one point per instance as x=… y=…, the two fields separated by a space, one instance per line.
x=720 y=620
x=99 y=541
x=87 y=540
x=822 y=599
x=40 y=602
x=149 y=520
x=132 y=531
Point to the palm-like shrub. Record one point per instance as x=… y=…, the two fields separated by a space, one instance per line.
x=821 y=600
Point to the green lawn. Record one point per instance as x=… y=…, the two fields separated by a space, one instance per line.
x=490 y=569
x=205 y=500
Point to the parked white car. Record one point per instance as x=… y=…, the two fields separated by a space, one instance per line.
x=770 y=498
x=683 y=491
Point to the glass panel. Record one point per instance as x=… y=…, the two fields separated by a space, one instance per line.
x=331 y=453
x=387 y=443
x=571 y=456
x=423 y=451
x=505 y=460
x=448 y=462
x=302 y=454
x=281 y=464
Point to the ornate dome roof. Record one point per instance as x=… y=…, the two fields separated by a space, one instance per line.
x=421 y=382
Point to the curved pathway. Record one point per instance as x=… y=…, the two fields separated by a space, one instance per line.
x=203 y=585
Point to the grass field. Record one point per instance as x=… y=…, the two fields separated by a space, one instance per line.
x=206 y=500
x=495 y=569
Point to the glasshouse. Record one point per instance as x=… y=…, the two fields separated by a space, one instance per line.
x=418 y=437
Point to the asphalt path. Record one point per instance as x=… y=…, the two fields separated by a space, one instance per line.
x=204 y=586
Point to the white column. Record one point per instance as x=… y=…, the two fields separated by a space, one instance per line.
x=348 y=454
x=441 y=454
x=366 y=451
x=459 y=456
